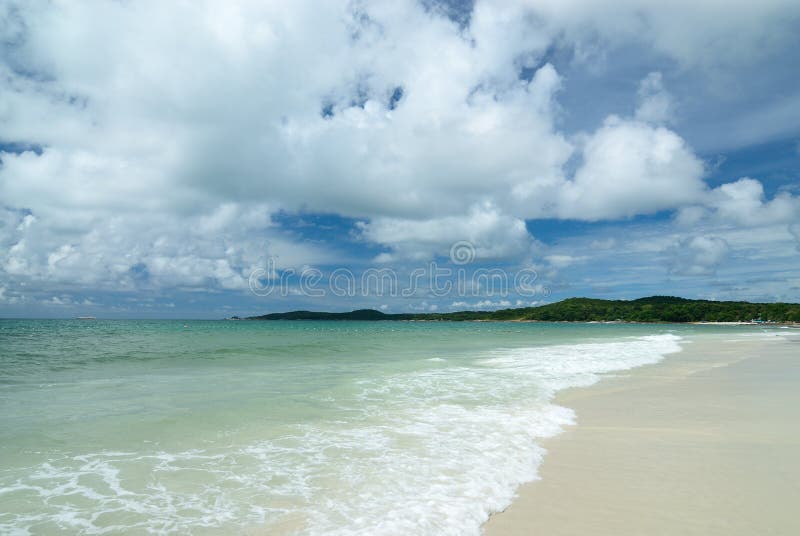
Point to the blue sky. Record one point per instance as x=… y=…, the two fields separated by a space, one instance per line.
x=176 y=160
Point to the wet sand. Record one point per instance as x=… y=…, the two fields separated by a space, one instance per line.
x=707 y=442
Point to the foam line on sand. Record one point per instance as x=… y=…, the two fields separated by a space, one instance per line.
x=706 y=442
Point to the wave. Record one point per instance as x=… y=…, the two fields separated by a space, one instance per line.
x=430 y=451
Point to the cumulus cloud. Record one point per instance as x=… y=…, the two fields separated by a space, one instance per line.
x=227 y=114
x=744 y=202
x=218 y=250
x=490 y=233
x=149 y=144
x=176 y=132
x=743 y=205
x=631 y=167
x=634 y=165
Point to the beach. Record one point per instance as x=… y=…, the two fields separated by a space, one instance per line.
x=704 y=442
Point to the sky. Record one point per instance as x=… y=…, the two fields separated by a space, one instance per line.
x=208 y=159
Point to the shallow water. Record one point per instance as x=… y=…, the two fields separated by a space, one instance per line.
x=304 y=427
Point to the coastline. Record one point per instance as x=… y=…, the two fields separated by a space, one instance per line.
x=702 y=442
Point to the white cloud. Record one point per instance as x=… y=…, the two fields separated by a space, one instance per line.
x=714 y=258
x=743 y=202
x=162 y=137
x=488 y=304
x=486 y=232
x=742 y=211
x=690 y=215
x=630 y=168
x=699 y=255
x=219 y=249
x=655 y=103
x=562 y=261
x=191 y=135
x=794 y=229
x=706 y=33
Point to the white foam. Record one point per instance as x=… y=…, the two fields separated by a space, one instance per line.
x=433 y=451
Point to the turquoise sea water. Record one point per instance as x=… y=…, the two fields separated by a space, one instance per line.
x=224 y=427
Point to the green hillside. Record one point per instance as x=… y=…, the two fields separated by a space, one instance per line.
x=652 y=309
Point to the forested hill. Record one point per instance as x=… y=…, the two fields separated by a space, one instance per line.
x=652 y=309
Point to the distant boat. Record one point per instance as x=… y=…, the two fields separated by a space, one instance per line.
x=86 y=318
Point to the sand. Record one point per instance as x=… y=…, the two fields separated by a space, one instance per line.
x=707 y=442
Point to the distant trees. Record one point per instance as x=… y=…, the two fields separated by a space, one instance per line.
x=663 y=309
x=652 y=309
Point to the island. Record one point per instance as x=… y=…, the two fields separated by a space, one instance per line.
x=653 y=309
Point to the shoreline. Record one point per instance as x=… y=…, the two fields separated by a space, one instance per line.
x=702 y=442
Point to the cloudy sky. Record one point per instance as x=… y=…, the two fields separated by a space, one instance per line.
x=163 y=159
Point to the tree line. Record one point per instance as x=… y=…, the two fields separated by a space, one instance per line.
x=651 y=309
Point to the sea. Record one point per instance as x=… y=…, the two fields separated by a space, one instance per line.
x=289 y=427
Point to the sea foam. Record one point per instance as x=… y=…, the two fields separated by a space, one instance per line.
x=428 y=451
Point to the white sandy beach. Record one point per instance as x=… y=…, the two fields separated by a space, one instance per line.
x=705 y=442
